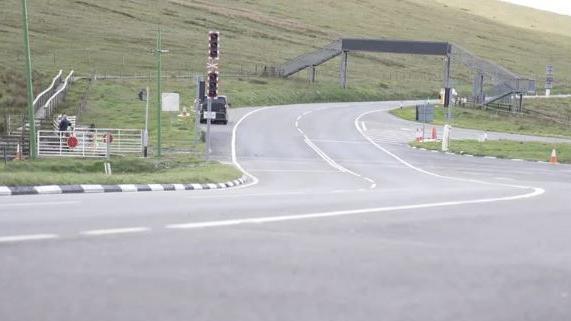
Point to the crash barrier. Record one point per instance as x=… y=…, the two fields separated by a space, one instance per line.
x=90 y=142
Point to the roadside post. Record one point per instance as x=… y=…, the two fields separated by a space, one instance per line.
x=108 y=139
x=197 y=107
x=146 y=132
x=446 y=138
x=548 y=80
x=5 y=153
x=208 y=122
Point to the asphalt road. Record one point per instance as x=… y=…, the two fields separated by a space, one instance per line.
x=341 y=221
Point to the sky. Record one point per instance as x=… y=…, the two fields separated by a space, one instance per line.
x=558 y=6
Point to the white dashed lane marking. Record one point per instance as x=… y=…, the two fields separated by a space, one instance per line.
x=30 y=237
x=126 y=230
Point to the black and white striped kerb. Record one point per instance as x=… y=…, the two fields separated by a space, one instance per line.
x=66 y=189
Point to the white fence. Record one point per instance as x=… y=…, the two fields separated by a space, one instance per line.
x=90 y=142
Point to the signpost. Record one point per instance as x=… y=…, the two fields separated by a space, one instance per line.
x=548 y=79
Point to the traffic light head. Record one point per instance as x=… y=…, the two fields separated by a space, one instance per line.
x=213 y=84
x=214 y=44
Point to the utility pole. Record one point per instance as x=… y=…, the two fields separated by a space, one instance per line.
x=159 y=91
x=146 y=133
x=31 y=111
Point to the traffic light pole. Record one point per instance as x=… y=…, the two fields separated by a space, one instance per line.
x=31 y=111
x=208 y=122
x=146 y=133
x=159 y=92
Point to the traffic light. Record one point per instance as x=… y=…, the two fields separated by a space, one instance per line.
x=213 y=84
x=214 y=44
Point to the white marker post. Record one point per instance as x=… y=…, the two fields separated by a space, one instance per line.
x=446 y=137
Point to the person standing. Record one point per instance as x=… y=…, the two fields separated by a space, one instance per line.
x=64 y=123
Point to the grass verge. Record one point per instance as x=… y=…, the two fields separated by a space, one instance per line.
x=168 y=170
x=490 y=121
x=504 y=149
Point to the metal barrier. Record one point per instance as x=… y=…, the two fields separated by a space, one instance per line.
x=90 y=142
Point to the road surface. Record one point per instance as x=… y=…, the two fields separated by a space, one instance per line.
x=341 y=221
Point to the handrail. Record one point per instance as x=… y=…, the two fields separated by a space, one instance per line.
x=49 y=89
x=48 y=106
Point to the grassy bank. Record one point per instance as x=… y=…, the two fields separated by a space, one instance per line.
x=270 y=32
x=490 y=121
x=504 y=149
x=171 y=169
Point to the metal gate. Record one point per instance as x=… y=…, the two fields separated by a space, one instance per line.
x=90 y=142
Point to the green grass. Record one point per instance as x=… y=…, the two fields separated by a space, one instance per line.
x=117 y=38
x=172 y=169
x=504 y=149
x=560 y=107
x=490 y=121
x=115 y=104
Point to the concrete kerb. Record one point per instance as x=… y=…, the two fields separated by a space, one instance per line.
x=96 y=188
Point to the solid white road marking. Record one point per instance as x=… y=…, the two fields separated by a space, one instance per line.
x=39 y=203
x=30 y=237
x=290 y=171
x=272 y=219
x=536 y=191
x=364 y=126
x=115 y=231
x=329 y=160
x=340 y=141
x=254 y=179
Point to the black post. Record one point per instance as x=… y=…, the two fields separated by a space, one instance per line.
x=5 y=154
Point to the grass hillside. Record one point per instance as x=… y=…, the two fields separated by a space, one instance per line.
x=118 y=37
x=516 y=16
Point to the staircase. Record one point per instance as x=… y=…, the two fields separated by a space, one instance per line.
x=315 y=58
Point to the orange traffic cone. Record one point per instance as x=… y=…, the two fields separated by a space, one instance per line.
x=553 y=159
x=434 y=134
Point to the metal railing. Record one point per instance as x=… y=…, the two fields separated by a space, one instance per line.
x=314 y=58
x=90 y=142
x=48 y=107
x=45 y=95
